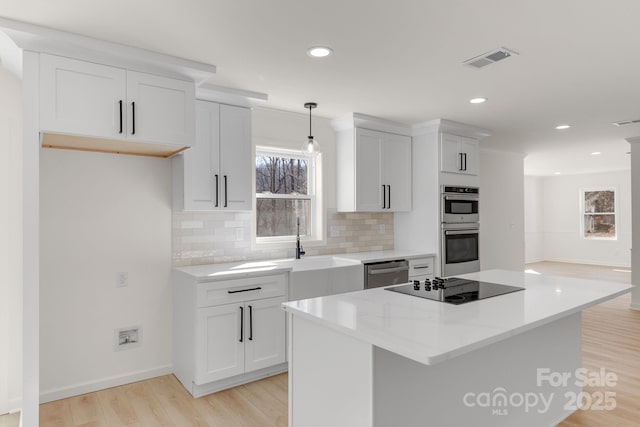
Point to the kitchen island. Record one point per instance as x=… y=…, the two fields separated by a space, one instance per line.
x=381 y=358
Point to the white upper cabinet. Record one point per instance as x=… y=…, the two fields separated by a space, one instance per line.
x=396 y=171
x=374 y=171
x=201 y=166
x=235 y=157
x=458 y=154
x=160 y=109
x=368 y=167
x=216 y=172
x=82 y=98
x=90 y=100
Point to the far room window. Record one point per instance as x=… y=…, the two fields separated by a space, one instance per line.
x=599 y=213
x=285 y=194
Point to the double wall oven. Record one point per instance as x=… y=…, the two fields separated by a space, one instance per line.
x=460 y=237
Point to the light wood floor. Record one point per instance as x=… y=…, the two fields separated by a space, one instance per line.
x=611 y=340
x=163 y=401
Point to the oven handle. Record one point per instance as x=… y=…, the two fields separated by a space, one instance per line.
x=458 y=232
x=461 y=197
x=388 y=270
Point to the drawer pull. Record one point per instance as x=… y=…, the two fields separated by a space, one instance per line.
x=241 y=324
x=420 y=267
x=250 y=323
x=245 y=290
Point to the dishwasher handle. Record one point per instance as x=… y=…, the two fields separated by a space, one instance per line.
x=389 y=270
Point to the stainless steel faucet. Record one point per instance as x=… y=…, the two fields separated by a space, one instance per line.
x=299 y=250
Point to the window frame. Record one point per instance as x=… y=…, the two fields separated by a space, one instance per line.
x=583 y=213
x=315 y=219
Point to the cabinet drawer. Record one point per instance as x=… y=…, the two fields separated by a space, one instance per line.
x=421 y=267
x=229 y=291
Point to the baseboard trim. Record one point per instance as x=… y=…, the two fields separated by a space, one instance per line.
x=634 y=306
x=104 y=383
x=203 y=390
x=532 y=260
x=585 y=261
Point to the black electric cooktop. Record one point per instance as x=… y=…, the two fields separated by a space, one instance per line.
x=454 y=290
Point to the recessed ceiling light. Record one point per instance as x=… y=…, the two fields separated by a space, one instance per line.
x=557 y=173
x=319 y=51
x=595 y=153
x=478 y=100
x=562 y=127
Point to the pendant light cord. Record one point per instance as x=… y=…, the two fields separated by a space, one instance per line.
x=310 y=134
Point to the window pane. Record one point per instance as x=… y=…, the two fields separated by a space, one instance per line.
x=278 y=217
x=600 y=226
x=281 y=175
x=599 y=201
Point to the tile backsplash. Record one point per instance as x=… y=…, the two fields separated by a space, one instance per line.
x=217 y=237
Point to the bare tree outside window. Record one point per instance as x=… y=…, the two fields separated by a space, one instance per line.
x=599 y=214
x=283 y=194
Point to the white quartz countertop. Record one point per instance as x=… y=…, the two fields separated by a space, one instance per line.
x=430 y=332
x=211 y=272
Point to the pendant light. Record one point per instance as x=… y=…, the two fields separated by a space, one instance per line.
x=311 y=144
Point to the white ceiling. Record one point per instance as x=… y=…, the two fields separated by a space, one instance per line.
x=402 y=60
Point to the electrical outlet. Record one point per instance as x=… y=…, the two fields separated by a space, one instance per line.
x=383 y=228
x=122 y=280
x=335 y=231
x=126 y=338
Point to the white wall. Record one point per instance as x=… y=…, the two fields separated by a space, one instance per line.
x=10 y=242
x=102 y=214
x=561 y=217
x=533 y=219
x=501 y=210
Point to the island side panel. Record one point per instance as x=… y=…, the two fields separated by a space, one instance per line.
x=455 y=392
x=330 y=377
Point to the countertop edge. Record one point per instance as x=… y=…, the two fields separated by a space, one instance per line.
x=444 y=356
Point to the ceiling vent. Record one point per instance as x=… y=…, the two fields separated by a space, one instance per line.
x=625 y=122
x=490 y=57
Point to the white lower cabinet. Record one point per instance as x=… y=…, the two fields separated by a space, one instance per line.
x=421 y=269
x=228 y=332
x=265 y=341
x=219 y=351
x=238 y=338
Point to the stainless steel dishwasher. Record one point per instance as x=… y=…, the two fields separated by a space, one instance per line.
x=386 y=273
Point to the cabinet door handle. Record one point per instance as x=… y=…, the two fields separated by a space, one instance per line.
x=241 y=324
x=120 y=102
x=216 y=175
x=389 y=197
x=461 y=167
x=133 y=118
x=257 y=288
x=250 y=323
x=225 y=191
x=384 y=196
x=465 y=161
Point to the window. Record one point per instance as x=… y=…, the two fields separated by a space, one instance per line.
x=285 y=194
x=599 y=214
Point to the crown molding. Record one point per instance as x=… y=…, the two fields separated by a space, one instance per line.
x=364 y=121
x=231 y=96
x=449 y=126
x=35 y=38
